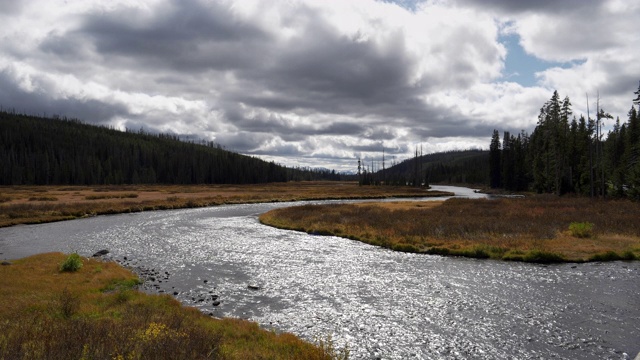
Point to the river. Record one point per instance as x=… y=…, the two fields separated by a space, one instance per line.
x=381 y=304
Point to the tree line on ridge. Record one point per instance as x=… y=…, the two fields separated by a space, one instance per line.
x=48 y=151
x=569 y=155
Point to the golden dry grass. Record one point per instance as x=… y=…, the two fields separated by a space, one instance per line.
x=95 y=314
x=531 y=229
x=20 y=204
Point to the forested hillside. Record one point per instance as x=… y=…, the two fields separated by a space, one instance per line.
x=569 y=155
x=43 y=151
x=453 y=167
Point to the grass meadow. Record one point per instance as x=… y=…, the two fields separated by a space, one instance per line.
x=95 y=312
x=40 y=204
x=535 y=229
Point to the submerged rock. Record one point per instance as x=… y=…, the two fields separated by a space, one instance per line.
x=253 y=287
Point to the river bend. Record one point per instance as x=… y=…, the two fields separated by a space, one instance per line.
x=382 y=304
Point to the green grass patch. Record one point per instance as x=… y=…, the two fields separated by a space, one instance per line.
x=122 y=284
x=543 y=257
x=614 y=256
x=581 y=229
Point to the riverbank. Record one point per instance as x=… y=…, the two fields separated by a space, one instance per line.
x=41 y=204
x=97 y=313
x=543 y=229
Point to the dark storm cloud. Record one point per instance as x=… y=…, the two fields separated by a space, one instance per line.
x=39 y=104
x=10 y=7
x=537 y=6
x=290 y=130
x=322 y=71
x=66 y=47
x=187 y=35
x=337 y=67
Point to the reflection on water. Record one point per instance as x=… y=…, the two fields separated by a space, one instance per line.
x=381 y=303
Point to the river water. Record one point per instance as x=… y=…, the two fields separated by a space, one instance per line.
x=381 y=304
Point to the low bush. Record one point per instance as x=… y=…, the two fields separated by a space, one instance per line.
x=72 y=263
x=581 y=229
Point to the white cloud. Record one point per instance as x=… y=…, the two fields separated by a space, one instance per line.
x=309 y=81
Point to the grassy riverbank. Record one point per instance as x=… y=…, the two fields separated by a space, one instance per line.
x=38 y=204
x=96 y=313
x=534 y=229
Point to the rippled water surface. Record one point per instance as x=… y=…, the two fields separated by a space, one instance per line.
x=383 y=304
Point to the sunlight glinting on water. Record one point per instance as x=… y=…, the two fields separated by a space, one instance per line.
x=379 y=303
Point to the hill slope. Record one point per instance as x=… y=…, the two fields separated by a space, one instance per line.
x=466 y=167
x=42 y=151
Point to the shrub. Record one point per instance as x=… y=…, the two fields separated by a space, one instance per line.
x=581 y=229
x=72 y=263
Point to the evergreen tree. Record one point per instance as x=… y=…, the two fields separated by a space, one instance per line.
x=507 y=160
x=614 y=151
x=562 y=156
x=632 y=153
x=495 y=160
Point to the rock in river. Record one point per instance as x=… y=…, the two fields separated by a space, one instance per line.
x=101 y=253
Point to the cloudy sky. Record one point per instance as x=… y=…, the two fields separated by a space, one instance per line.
x=318 y=83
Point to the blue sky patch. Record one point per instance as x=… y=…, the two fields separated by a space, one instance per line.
x=521 y=67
